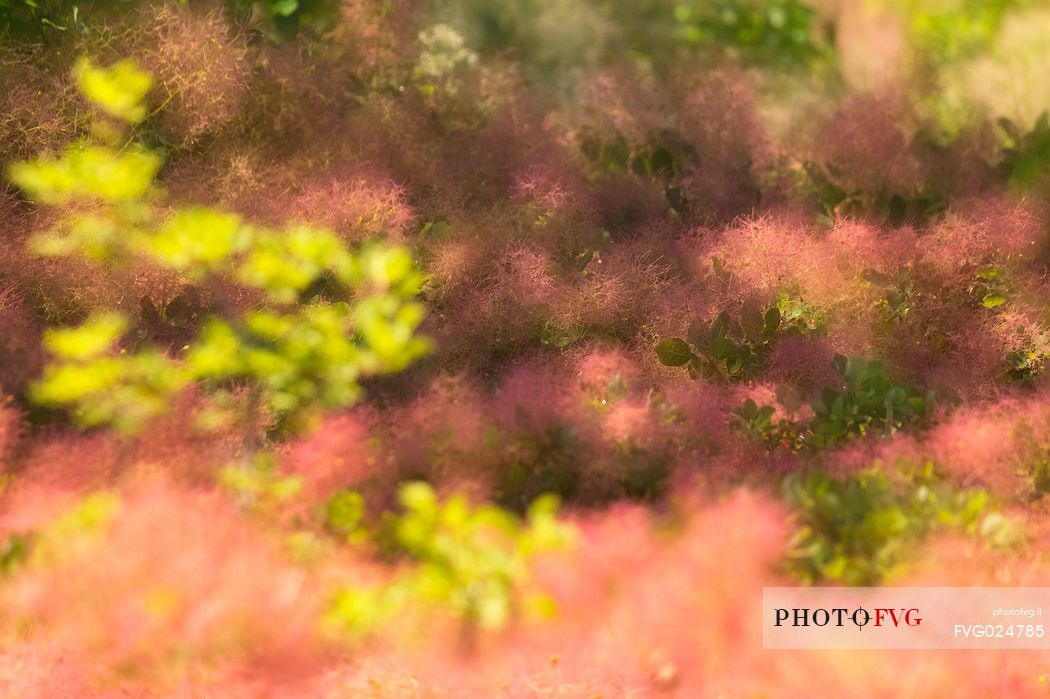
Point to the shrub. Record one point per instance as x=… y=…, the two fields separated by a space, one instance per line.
x=259 y=487
x=855 y=529
x=1026 y=156
x=757 y=423
x=662 y=160
x=734 y=350
x=834 y=198
x=33 y=20
x=990 y=286
x=328 y=316
x=1025 y=363
x=473 y=560
x=868 y=402
x=946 y=32
x=783 y=33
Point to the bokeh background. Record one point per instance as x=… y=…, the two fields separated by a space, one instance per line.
x=479 y=348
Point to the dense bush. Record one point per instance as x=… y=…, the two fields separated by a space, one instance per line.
x=867 y=403
x=473 y=560
x=857 y=529
x=292 y=360
x=732 y=349
x=312 y=310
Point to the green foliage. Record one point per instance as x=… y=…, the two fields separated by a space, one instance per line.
x=258 y=485
x=559 y=335
x=112 y=387
x=474 y=560
x=78 y=528
x=559 y=41
x=867 y=402
x=444 y=54
x=726 y=349
x=332 y=315
x=283 y=20
x=799 y=318
x=834 y=199
x=757 y=423
x=14 y=551
x=784 y=33
x=1040 y=477
x=196 y=240
x=102 y=384
x=950 y=30
x=1026 y=363
x=663 y=156
x=34 y=20
x=1026 y=155
x=344 y=513
x=88 y=173
x=856 y=529
x=660 y=159
x=990 y=287
x=550 y=39
x=1033 y=452
x=357 y=611
x=538 y=460
x=119 y=90
x=732 y=349
x=899 y=293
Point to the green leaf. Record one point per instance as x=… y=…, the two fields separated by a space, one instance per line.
x=344 y=511
x=196 y=239
x=838 y=363
x=119 y=90
x=990 y=273
x=284 y=8
x=88 y=341
x=857 y=367
x=720 y=326
x=827 y=399
x=674 y=352
x=748 y=409
x=300 y=352
x=88 y=172
x=417 y=496
x=772 y=321
x=752 y=321
x=1010 y=129
x=699 y=333
x=615 y=155
x=993 y=300
x=662 y=162
x=723 y=348
x=789 y=397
